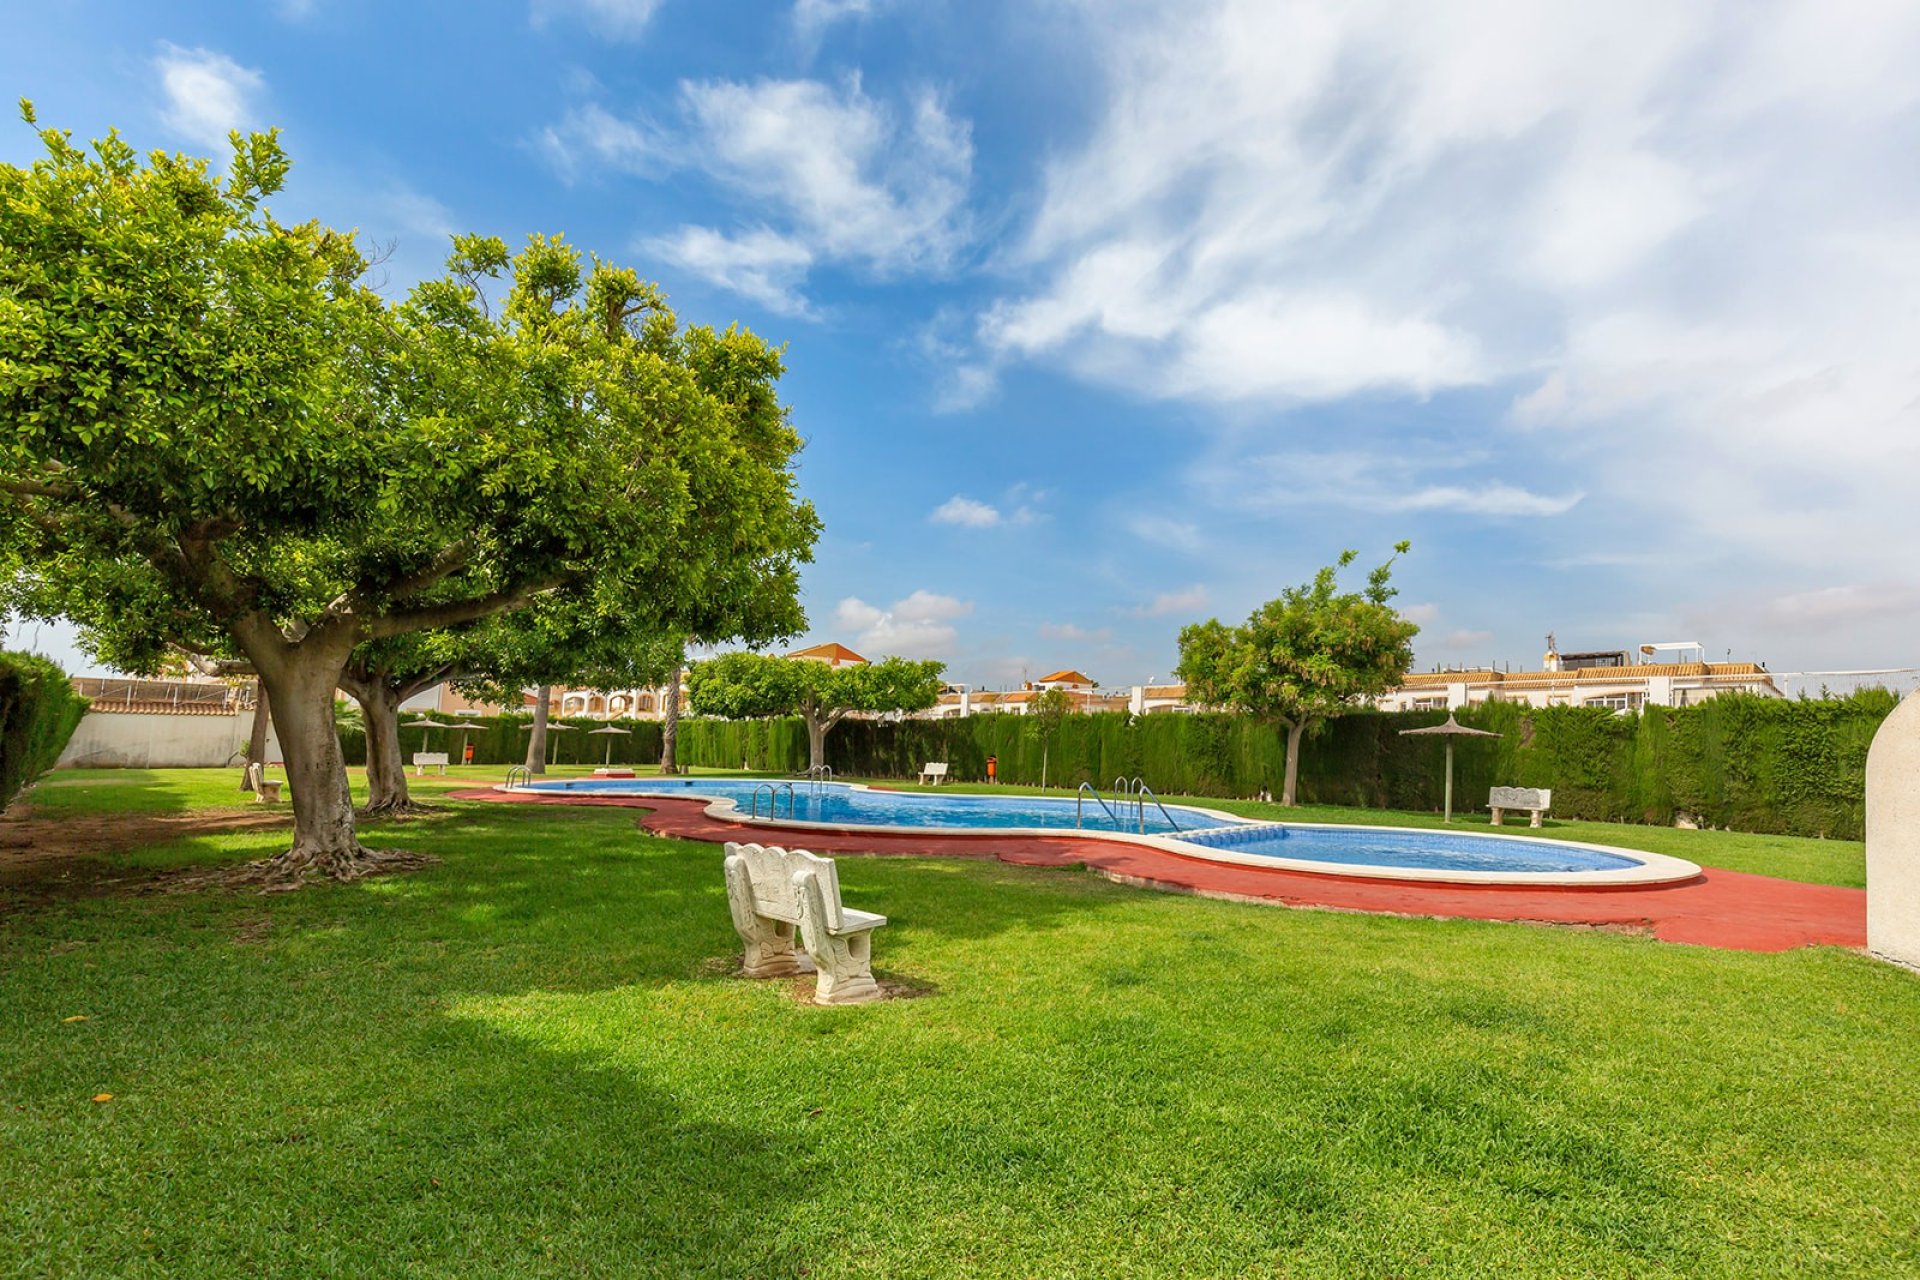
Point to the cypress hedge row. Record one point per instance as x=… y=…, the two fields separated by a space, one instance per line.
x=774 y=745
x=1791 y=767
x=38 y=713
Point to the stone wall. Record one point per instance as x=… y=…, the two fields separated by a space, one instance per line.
x=109 y=739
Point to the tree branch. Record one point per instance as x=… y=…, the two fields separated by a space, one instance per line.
x=453 y=613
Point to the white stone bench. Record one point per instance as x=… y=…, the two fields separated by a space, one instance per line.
x=772 y=892
x=1533 y=800
x=265 y=790
x=933 y=774
x=421 y=759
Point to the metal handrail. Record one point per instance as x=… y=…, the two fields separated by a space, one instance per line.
x=1079 y=799
x=1144 y=792
x=520 y=771
x=773 y=790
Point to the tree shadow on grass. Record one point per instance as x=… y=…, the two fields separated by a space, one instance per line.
x=448 y=1146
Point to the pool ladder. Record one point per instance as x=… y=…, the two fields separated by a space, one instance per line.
x=1126 y=792
x=817 y=776
x=773 y=790
x=519 y=775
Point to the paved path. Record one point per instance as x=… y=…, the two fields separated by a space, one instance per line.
x=1717 y=908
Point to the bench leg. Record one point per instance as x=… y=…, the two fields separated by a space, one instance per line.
x=1536 y=818
x=845 y=967
x=1497 y=815
x=768 y=943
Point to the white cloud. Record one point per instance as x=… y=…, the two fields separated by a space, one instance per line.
x=1424 y=615
x=920 y=626
x=1188 y=600
x=1673 y=230
x=1071 y=633
x=828 y=171
x=614 y=19
x=1163 y=531
x=760 y=264
x=1856 y=603
x=812 y=17
x=1387 y=482
x=1467 y=640
x=208 y=95
x=966 y=511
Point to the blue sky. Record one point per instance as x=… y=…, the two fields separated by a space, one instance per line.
x=1106 y=317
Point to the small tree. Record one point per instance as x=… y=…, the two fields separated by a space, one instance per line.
x=1047 y=711
x=1308 y=655
x=748 y=686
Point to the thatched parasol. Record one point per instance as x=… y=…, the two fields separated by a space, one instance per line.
x=1450 y=730
x=609 y=732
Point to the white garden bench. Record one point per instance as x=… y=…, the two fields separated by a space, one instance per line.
x=1533 y=800
x=265 y=790
x=421 y=759
x=933 y=774
x=772 y=892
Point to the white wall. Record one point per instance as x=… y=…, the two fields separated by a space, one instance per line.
x=1893 y=836
x=110 y=739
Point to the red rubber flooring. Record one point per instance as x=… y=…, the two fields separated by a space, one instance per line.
x=1727 y=909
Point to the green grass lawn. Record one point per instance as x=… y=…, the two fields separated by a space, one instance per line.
x=531 y=1060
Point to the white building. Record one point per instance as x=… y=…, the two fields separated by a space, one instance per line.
x=1657 y=675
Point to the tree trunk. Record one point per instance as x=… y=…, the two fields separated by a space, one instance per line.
x=670 y=725
x=816 y=741
x=1293 y=762
x=386 y=763
x=301 y=679
x=1043 y=766
x=537 y=739
x=257 y=739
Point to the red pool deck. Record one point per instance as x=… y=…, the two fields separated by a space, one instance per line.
x=1727 y=909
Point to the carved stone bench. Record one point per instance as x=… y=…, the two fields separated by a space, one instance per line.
x=265 y=790
x=421 y=759
x=933 y=774
x=773 y=892
x=1533 y=800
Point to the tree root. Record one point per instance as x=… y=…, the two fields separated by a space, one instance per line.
x=396 y=809
x=288 y=871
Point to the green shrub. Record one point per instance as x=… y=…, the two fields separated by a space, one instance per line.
x=38 y=713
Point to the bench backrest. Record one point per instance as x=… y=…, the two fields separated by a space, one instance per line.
x=1519 y=798
x=254 y=776
x=826 y=882
x=770 y=875
x=429 y=757
x=934 y=770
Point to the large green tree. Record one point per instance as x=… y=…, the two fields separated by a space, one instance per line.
x=749 y=686
x=217 y=436
x=1312 y=653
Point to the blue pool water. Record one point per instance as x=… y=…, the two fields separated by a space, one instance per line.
x=841 y=805
x=1399 y=847
x=849 y=806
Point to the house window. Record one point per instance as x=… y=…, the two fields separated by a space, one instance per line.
x=1618 y=701
x=1429 y=704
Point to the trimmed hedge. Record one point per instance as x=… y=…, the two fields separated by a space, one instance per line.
x=1745 y=763
x=777 y=745
x=38 y=713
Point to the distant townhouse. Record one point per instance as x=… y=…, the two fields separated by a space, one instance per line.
x=1660 y=675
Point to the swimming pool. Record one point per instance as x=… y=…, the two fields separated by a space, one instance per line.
x=1396 y=853
x=844 y=804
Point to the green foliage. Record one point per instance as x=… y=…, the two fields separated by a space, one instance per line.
x=1312 y=652
x=775 y=746
x=38 y=713
x=743 y=686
